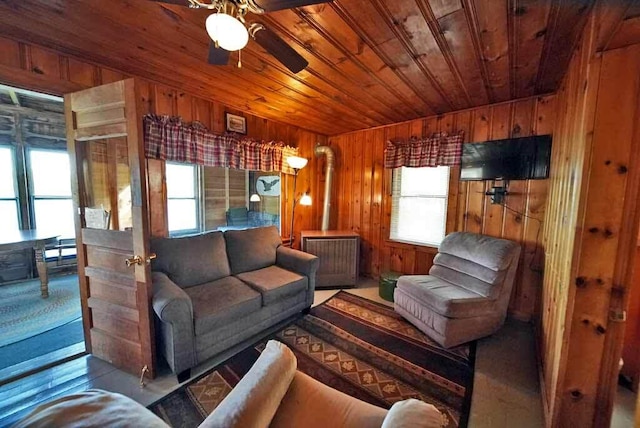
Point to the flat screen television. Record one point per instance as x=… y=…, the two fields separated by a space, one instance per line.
x=511 y=159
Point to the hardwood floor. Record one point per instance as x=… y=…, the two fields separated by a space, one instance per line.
x=505 y=386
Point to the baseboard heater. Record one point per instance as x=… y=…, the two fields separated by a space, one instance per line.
x=339 y=256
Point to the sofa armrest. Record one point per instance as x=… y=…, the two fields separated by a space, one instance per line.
x=297 y=261
x=170 y=302
x=174 y=308
x=256 y=398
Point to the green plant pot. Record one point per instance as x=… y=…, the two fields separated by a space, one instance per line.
x=388 y=282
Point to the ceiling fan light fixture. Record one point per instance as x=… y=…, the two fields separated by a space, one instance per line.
x=227 y=31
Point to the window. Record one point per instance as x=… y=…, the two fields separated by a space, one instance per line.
x=9 y=219
x=419 y=205
x=182 y=198
x=51 y=191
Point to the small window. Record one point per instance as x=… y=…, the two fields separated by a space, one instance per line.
x=182 y=198
x=419 y=205
x=51 y=191
x=9 y=218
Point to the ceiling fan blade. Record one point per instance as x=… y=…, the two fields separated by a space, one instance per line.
x=273 y=5
x=178 y=2
x=218 y=56
x=277 y=47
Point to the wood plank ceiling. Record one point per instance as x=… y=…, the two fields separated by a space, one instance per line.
x=371 y=62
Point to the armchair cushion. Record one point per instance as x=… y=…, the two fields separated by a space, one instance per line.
x=275 y=283
x=191 y=260
x=222 y=302
x=489 y=252
x=446 y=299
x=252 y=249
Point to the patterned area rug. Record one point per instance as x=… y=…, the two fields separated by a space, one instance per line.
x=357 y=346
x=23 y=313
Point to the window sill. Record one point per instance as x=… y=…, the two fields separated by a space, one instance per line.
x=426 y=248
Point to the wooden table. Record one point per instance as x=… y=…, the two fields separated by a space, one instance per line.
x=23 y=239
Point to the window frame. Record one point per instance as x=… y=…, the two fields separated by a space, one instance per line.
x=16 y=191
x=397 y=198
x=198 y=197
x=31 y=186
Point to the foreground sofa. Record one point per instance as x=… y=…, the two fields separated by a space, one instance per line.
x=272 y=394
x=466 y=294
x=214 y=290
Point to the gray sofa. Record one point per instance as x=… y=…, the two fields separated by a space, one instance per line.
x=466 y=294
x=214 y=290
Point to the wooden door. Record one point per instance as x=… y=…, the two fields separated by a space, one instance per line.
x=105 y=142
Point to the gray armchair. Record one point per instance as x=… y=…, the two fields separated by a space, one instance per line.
x=466 y=294
x=214 y=290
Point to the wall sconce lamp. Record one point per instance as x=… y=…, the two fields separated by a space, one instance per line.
x=296 y=163
x=254 y=198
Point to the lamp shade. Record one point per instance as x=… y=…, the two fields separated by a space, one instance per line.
x=305 y=199
x=230 y=33
x=254 y=198
x=296 y=162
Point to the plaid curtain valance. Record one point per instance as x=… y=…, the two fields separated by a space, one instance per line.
x=438 y=150
x=169 y=138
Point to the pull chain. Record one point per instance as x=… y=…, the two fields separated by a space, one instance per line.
x=240 y=58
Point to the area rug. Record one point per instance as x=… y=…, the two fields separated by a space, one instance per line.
x=352 y=344
x=23 y=313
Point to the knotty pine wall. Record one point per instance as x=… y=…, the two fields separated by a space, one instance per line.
x=590 y=232
x=36 y=68
x=362 y=193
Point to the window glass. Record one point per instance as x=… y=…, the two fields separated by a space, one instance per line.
x=50 y=173
x=180 y=181
x=182 y=214
x=419 y=205
x=7 y=183
x=8 y=216
x=54 y=215
x=182 y=203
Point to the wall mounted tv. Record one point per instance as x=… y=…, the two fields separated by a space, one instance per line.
x=511 y=159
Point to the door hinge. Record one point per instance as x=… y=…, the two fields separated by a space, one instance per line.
x=617 y=315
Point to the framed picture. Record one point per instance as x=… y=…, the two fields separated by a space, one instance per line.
x=268 y=185
x=236 y=123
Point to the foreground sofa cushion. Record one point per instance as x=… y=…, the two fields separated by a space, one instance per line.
x=275 y=283
x=91 y=408
x=222 y=302
x=191 y=260
x=252 y=249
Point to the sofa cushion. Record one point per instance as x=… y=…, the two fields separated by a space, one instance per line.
x=275 y=283
x=252 y=249
x=444 y=298
x=492 y=253
x=191 y=260
x=222 y=302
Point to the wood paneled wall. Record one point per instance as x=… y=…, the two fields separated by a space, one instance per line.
x=33 y=67
x=590 y=232
x=362 y=193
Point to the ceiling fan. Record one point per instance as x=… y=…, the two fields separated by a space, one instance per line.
x=229 y=31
